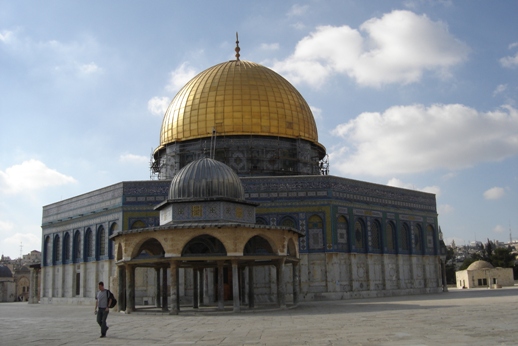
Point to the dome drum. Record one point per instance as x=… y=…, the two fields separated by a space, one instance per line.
x=246 y=155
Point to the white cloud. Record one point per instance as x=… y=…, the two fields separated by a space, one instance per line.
x=133 y=159
x=5 y=36
x=509 y=61
x=298 y=10
x=158 y=105
x=6 y=226
x=270 y=46
x=443 y=209
x=498 y=229
x=317 y=113
x=29 y=241
x=411 y=139
x=494 y=193
x=88 y=69
x=396 y=48
x=398 y=183
x=29 y=176
x=500 y=89
x=180 y=77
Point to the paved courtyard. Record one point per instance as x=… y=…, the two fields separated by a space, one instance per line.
x=459 y=317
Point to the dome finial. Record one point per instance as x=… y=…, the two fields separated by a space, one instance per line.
x=237 y=47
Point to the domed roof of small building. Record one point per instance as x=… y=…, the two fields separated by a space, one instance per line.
x=480 y=264
x=238 y=98
x=206 y=179
x=5 y=272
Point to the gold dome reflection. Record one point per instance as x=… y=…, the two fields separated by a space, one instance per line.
x=238 y=98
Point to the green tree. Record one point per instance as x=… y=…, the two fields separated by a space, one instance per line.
x=473 y=258
x=502 y=257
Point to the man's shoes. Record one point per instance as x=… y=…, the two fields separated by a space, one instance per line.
x=102 y=336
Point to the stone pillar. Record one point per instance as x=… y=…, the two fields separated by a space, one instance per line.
x=130 y=288
x=221 y=287
x=157 y=288
x=195 y=288
x=164 y=290
x=82 y=278
x=201 y=286
x=121 y=302
x=251 y=296
x=296 y=283
x=235 y=286
x=281 y=284
x=32 y=285
x=175 y=307
x=443 y=272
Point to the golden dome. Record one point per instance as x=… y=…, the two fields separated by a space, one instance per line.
x=238 y=98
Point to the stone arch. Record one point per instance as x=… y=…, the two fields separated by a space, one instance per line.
x=204 y=245
x=359 y=235
x=148 y=248
x=258 y=245
x=119 y=252
x=56 y=250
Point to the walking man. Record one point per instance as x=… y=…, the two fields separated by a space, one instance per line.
x=102 y=303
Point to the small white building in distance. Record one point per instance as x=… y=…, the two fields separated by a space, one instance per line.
x=482 y=274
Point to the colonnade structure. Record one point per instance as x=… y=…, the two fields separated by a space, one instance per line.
x=207 y=228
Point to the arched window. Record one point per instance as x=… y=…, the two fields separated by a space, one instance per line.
x=389 y=236
x=66 y=246
x=77 y=246
x=57 y=249
x=288 y=222
x=89 y=246
x=376 y=235
x=101 y=234
x=417 y=241
x=341 y=229
x=47 y=259
x=404 y=237
x=260 y=221
x=359 y=234
x=138 y=224
x=430 y=237
x=315 y=229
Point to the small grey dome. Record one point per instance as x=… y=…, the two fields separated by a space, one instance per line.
x=5 y=272
x=206 y=179
x=480 y=264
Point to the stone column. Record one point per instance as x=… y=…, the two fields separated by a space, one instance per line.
x=251 y=300
x=157 y=287
x=221 y=287
x=235 y=286
x=195 y=288
x=201 y=286
x=121 y=303
x=82 y=278
x=281 y=285
x=32 y=284
x=130 y=288
x=175 y=307
x=443 y=272
x=164 y=290
x=296 y=283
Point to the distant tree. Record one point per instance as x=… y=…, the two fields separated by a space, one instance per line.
x=473 y=258
x=502 y=257
x=450 y=265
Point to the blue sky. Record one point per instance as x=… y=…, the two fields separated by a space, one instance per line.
x=415 y=94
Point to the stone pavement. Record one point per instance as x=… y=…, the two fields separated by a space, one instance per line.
x=459 y=317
